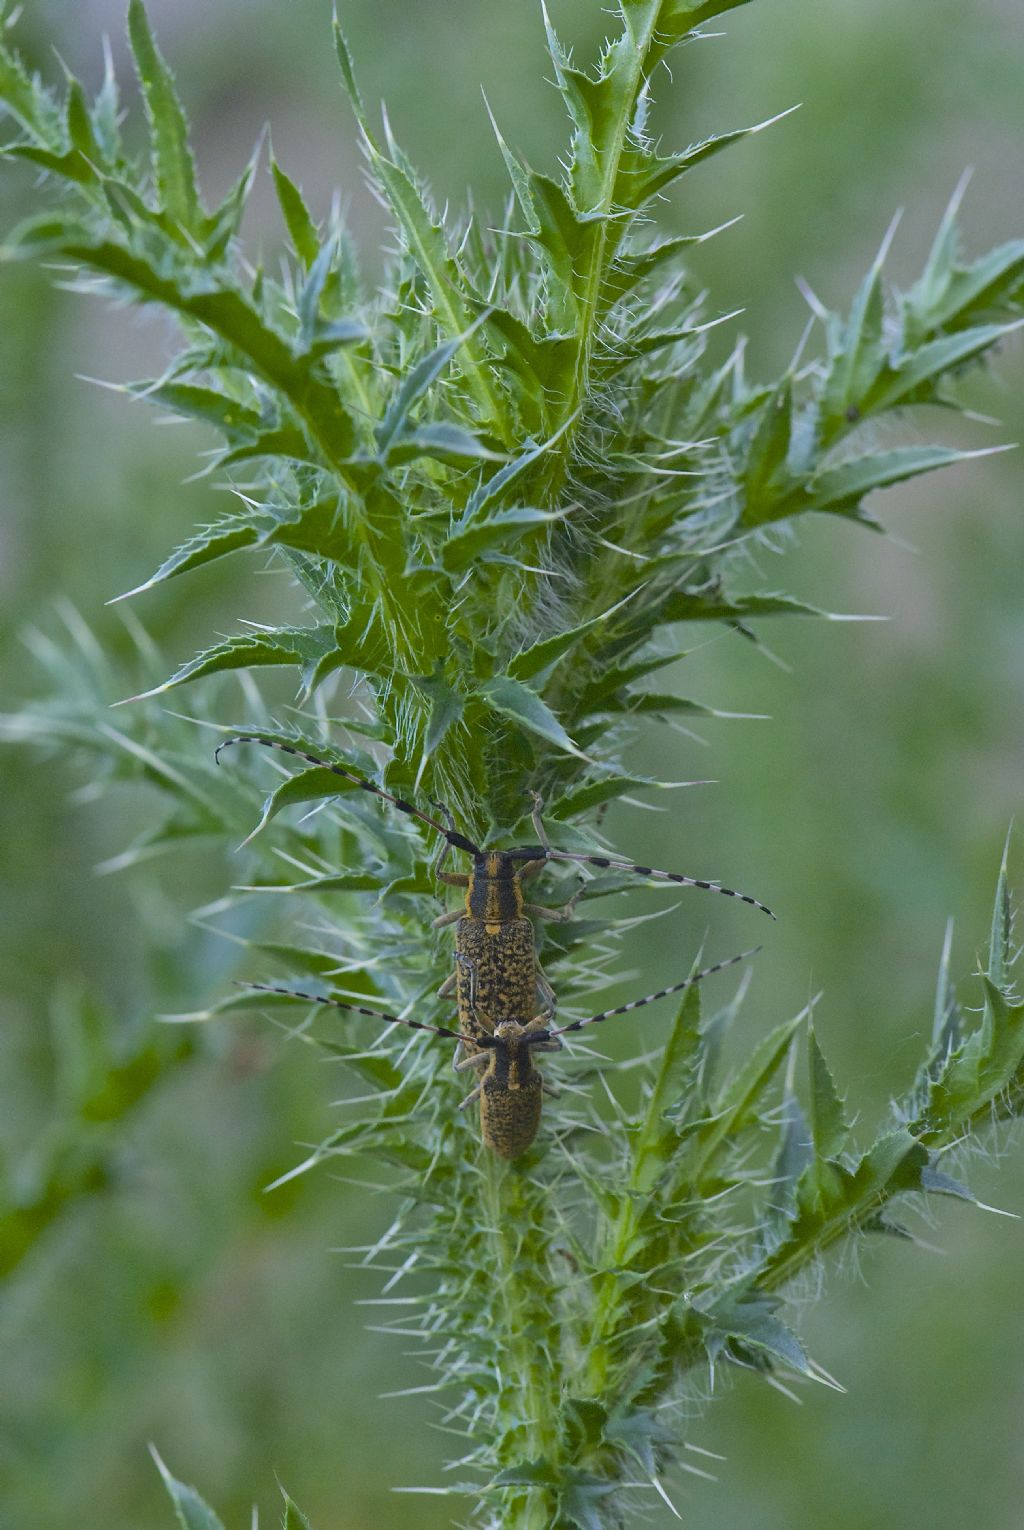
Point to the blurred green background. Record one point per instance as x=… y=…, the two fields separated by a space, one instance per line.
x=183 y=1305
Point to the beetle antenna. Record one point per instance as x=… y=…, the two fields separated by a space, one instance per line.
x=611 y=863
x=624 y=1009
x=356 y=1009
x=456 y=840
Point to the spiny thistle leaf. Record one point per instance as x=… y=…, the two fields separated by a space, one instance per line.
x=741 y=1098
x=840 y=490
x=303 y=232
x=829 y=1127
x=515 y=700
x=192 y=1512
x=425 y=236
x=307 y=647
x=294 y=1519
x=480 y=537
x=1000 y=947
x=949 y=295
x=173 y=168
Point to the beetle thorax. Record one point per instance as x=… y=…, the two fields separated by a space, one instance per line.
x=494 y=894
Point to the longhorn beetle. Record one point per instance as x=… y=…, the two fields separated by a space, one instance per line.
x=496 y=973
x=510 y=1087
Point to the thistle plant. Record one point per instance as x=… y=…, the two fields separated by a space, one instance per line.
x=497 y=481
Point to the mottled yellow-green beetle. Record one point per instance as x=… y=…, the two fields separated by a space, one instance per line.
x=497 y=978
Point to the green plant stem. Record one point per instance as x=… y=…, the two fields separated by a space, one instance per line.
x=515 y=1216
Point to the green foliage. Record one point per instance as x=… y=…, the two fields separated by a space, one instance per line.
x=496 y=482
x=192 y=1512
x=102 y=1079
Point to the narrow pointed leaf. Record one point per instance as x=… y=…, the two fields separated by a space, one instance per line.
x=766 y=459
x=341 y=881
x=915 y=379
x=479 y=538
x=71 y=166
x=1000 y=946
x=442 y=441
x=79 y=123
x=18 y=93
x=683 y=16
x=304 y=646
x=937 y=1183
x=513 y=699
x=741 y=1098
x=752 y=1323
x=859 y=348
x=658 y=1137
x=715 y=605
x=947 y=1020
x=563 y=238
x=951 y=296
x=427 y=243
x=207 y=545
x=644 y=175
x=192 y=1512
x=197 y=403
x=841 y=489
x=488 y=493
x=541 y=657
x=294 y=1519
x=224 y=223
x=583 y=799
x=415 y=384
x=319 y=529
x=309 y=785
x=302 y=231
x=829 y=1127
x=173 y=168
x=312 y=292
x=518 y=175
x=446 y=708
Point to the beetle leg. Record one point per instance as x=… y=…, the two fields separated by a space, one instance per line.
x=554 y=915
x=450 y=918
x=560 y=915
x=475 y=1095
x=540 y=1024
x=538 y=826
x=545 y=990
x=475 y=1060
x=447 y=988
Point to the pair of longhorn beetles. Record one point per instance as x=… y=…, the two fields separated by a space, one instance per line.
x=497 y=977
